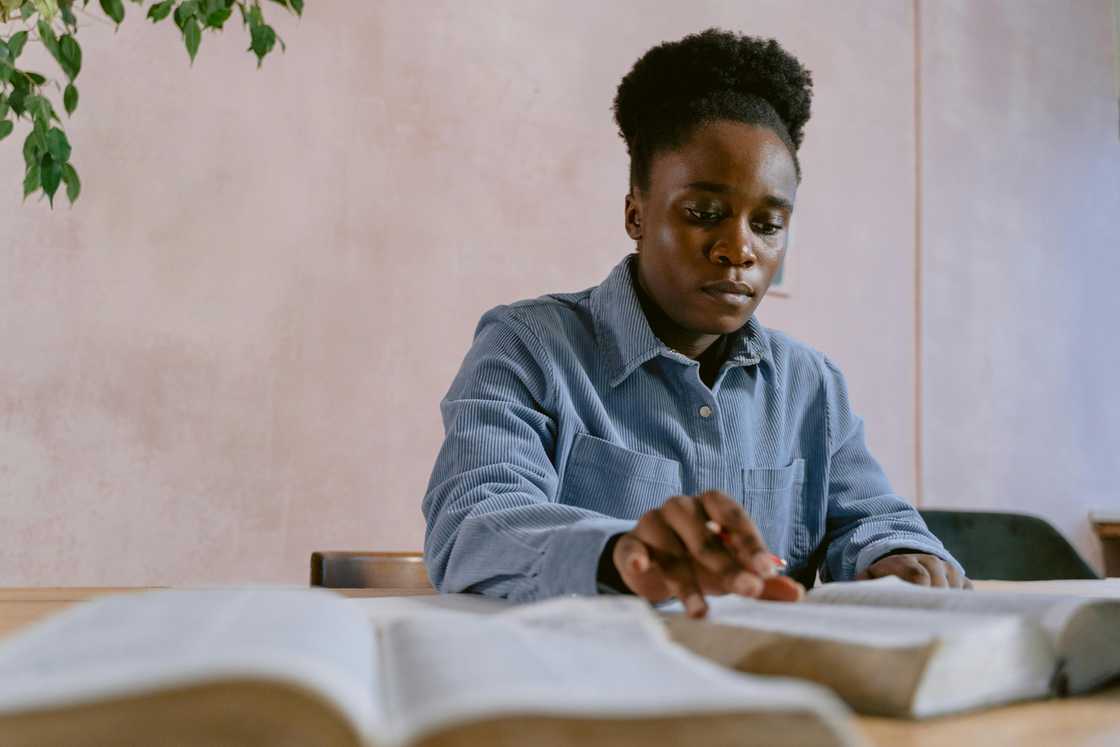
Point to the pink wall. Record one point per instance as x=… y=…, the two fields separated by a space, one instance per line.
x=230 y=352
x=1020 y=232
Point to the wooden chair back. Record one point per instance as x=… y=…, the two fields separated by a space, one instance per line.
x=340 y=569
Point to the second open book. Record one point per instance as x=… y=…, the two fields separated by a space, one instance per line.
x=892 y=648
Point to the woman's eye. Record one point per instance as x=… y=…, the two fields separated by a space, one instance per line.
x=704 y=216
x=767 y=229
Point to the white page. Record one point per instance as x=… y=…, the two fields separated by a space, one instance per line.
x=1108 y=588
x=134 y=643
x=865 y=625
x=1051 y=612
x=587 y=656
x=385 y=609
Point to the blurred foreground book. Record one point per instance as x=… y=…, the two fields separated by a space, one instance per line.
x=307 y=667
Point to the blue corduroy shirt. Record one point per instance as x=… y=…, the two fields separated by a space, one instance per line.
x=569 y=419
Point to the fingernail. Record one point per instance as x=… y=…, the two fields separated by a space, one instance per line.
x=763 y=564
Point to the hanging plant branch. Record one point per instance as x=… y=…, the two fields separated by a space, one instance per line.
x=54 y=24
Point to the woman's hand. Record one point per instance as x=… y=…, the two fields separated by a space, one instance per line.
x=918 y=568
x=673 y=552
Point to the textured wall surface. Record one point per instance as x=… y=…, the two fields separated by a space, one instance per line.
x=230 y=352
x=1021 y=256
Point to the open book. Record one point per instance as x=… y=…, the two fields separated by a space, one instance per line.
x=307 y=667
x=891 y=648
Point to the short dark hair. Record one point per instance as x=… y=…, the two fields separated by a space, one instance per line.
x=706 y=77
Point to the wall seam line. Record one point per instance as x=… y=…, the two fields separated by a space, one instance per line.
x=919 y=475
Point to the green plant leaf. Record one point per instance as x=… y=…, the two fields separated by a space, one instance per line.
x=33 y=149
x=68 y=14
x=70 y=99
x=159 y=11
x=71 y=56
x=31 y=180
x=262 y=40
x=48 y=9
x=47 y=37
x=6 y=72
x=114 y=9
x=216 y=19
x=15 y=44
x=297 y=6
x=192 y=35
x=35 y=77
x=5 y=55
x=58 y=146
x=40 y=109
x=6 y=128
x=184 y=13
x=15 y=100
x=50 y=172
x=3 y=106
x=73 y=183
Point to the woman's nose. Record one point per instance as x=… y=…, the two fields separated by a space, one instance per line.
x=734 y=247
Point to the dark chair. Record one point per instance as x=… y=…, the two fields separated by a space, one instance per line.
x=1006 y=546
x=369 y=570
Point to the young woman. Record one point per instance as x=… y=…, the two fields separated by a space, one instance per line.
x=648 y=435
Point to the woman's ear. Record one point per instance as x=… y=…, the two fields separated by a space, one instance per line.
x=633 y=216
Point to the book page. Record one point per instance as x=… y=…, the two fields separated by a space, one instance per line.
x=1082 y=587
x=867 y=625
x=881 y=660
x=384 y=609
x=137 y=643
x=1050 y=611
x=1084 y=631
x=599 y=656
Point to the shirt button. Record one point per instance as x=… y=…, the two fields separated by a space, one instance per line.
x=705 y=411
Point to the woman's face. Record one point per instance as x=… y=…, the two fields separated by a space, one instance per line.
x=712 y=227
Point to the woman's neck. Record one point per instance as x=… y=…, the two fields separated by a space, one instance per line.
x=685 y=342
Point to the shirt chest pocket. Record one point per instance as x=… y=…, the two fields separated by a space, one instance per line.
x=772 y=497
x=615 y=481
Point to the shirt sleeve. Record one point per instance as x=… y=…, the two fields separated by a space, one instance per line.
x=866 y=520
x=493 y=523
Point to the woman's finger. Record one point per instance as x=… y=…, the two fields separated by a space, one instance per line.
x=638 y=569
x=936 y=568
x=782 y=589
x=673 y=559
x=686 y=517
x=739 y=533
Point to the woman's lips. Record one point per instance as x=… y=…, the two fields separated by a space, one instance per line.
x=730 y=292
x=734 y=299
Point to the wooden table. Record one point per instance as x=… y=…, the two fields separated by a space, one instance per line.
x=20 y=607
x=1089 y=721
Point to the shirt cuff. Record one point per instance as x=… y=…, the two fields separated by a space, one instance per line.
x=571 y=561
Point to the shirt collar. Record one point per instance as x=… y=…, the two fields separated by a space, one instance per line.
x=627 y=341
